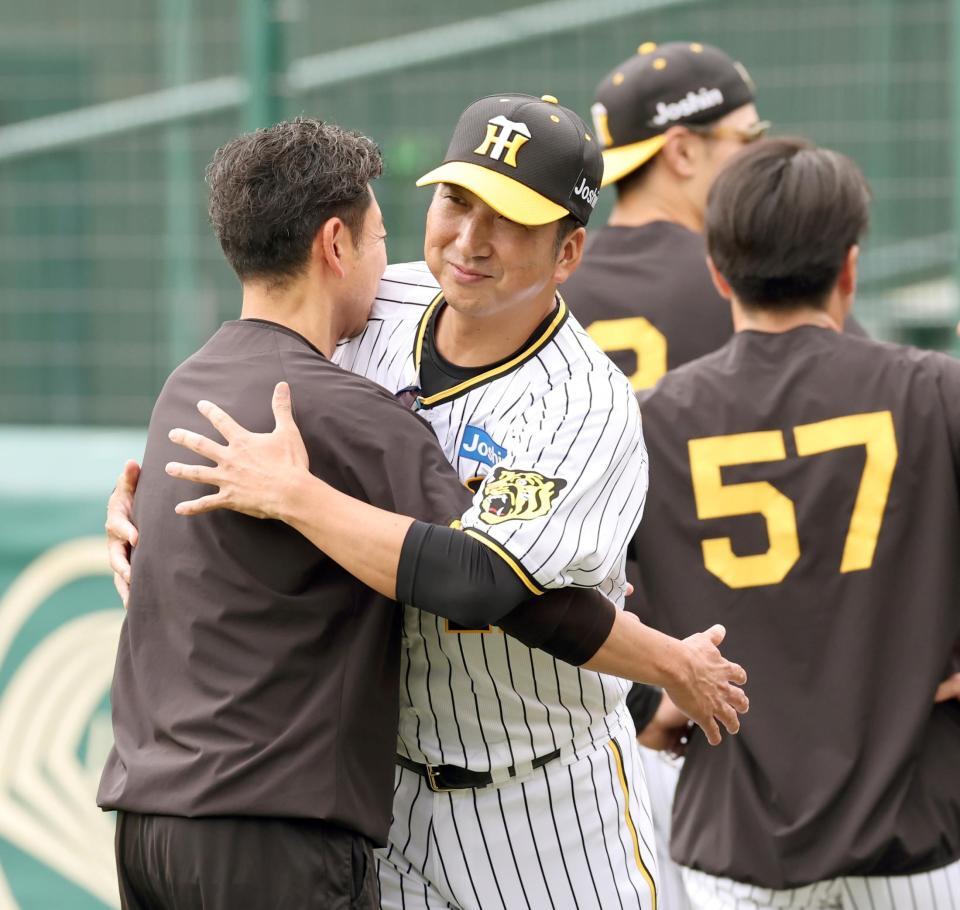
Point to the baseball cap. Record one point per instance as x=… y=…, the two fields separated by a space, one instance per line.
x=678 y=83
x=528 y=158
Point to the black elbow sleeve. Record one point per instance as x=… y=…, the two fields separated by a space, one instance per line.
x=568 y=623
x=450 y=574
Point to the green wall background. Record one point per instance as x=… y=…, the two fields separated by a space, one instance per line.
x=109 y=273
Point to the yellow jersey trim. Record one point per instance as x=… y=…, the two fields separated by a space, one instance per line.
x=529 y=583
x=644 y=871
x=422 y=330
x=480 y=379
x=457 y=525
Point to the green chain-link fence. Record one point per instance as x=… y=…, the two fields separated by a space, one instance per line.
x=109 y=273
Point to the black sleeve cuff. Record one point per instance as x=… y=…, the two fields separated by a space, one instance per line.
x=569 y=623
x=453 y=575
x=410 y=561
x=450 y=574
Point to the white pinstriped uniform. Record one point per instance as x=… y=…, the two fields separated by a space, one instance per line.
x=935 y=890
x=483 y=701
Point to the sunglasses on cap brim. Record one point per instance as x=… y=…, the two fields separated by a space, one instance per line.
x=744 y=134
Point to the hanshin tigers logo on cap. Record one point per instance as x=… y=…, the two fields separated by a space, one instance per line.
x=530 y=159
x=521 y=495
x=504 y=135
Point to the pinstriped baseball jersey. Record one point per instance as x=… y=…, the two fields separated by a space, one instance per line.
x=551 y=442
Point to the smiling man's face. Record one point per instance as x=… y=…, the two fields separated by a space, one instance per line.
x=486 y=264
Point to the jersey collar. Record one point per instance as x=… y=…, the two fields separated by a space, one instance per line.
x=528 y=351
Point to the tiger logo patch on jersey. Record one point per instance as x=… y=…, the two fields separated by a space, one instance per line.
x=521 y=495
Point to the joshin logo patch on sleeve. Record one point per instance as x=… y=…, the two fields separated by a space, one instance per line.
x=478 y=445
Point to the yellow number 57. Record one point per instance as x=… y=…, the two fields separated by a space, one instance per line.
x=715 y=499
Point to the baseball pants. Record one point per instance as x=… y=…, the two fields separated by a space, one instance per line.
x=936 y=890
x=166 y=862
x=661 y=773
x=572 y=835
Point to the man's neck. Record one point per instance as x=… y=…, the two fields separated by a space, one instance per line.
x=757 y=320
x=648 y=203
x=474 y=341
x=294 y=308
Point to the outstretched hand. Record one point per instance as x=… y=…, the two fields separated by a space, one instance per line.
x=709 y=691
x=255 y=473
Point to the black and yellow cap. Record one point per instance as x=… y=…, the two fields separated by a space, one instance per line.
x=682 y=82
x=529 y=158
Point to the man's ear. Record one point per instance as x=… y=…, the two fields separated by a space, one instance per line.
x=329 y=246
x=846 y=286
x=680 y=151
x=847 y=282
x=719 y=282
x=571 y=252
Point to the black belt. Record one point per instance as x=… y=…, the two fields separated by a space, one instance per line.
x=441 y=778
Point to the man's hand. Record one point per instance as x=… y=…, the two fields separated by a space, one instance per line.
x=703 y=684
x=122 y=536
x=949 y=688
x=707 y=689
x=668 y=730
x=255 y=472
